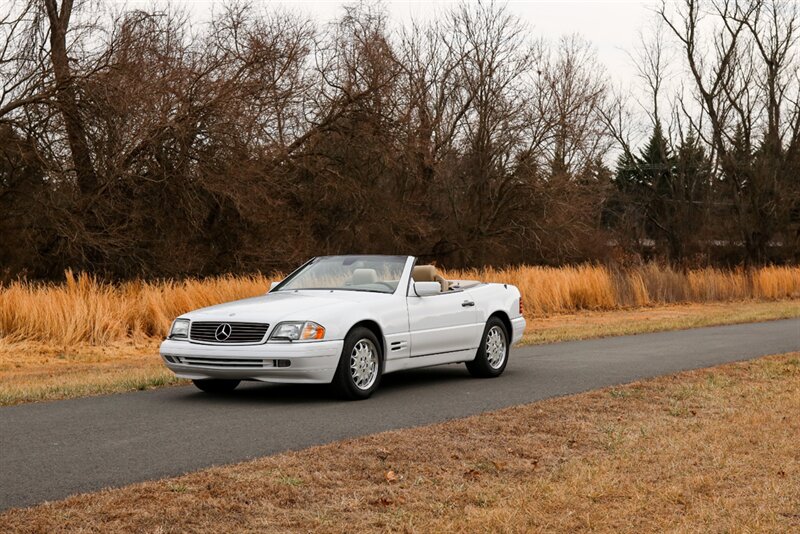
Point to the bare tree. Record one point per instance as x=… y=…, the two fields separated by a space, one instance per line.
x=741 y=58
x=66 y=94
x=483 y=192
x=137 y=143
x=21 y=72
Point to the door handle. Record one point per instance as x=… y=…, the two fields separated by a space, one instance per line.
x=467 y=303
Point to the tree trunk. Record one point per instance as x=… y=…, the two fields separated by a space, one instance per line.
x=66 y=96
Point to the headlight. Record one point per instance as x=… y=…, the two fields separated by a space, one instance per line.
x=298 y=331
x=180 y=328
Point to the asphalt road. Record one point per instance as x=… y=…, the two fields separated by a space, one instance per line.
x=51 y=450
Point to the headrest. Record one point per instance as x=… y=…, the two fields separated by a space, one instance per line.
x=424 y=273
x=364 y=276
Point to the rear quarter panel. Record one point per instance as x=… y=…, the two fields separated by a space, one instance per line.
x=493 y=298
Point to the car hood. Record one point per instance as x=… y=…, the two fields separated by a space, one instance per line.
x=278 y=306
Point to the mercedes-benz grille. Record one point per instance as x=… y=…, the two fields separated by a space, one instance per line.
x=227 y=332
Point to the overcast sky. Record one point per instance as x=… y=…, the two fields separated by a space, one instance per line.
x=612 y=26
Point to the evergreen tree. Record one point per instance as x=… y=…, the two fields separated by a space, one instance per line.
x=663 y=194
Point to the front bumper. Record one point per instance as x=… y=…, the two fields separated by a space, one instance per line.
x=518 y=327
x=308 y=363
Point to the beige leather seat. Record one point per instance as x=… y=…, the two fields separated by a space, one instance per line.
x=427 y=273
x=362 y=277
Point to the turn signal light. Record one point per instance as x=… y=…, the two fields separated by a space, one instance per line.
x=312 y=331
x=521 y=306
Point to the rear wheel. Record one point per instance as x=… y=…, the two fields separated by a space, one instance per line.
x=359 y=370
x=216 y=385
x=492 y=356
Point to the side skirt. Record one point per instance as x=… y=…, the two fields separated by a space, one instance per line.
x=465 y=355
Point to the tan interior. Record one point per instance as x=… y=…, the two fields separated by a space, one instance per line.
x=364 y=277
x=427 y=273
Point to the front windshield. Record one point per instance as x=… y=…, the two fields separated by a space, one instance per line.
x=379 y=274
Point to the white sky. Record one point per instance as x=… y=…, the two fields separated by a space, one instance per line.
x=613 y=27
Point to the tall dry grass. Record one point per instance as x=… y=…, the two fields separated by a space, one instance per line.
x=548 y=290
x=86 y=310
x=83 y=309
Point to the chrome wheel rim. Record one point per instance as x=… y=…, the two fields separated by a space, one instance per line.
x=495 y=347
x=364 y=364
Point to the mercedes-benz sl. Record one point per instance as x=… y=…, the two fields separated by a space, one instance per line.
x=347 y=321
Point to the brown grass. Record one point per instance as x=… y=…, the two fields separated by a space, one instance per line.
x=37 y=371
x=712 y=450
x=594 y=324
x=85 y=310
x=548 y=290
x=86 y=337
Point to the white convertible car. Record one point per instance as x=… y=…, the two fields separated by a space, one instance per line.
x=348 y=320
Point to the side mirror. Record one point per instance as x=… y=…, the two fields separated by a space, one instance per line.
x=272 y=286
x=423 y=289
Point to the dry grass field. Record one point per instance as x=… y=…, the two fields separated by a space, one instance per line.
x=549 y=290
x=85 y=310
x=36 y=371
x=85 y=337
x=712 y=450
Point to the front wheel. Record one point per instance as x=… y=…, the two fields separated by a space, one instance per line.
x=216 y=385
x=359 y=370
x=492 y=356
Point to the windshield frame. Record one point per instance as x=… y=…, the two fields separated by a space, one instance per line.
x=404 y=274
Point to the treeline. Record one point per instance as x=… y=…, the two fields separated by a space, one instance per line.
x=141 y=145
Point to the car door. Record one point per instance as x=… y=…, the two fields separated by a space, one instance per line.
x=441 y=323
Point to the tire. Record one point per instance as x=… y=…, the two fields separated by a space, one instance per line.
x=492 y=356
x=216 y=385
x=360 y=365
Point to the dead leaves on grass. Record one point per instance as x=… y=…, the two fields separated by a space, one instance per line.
x=516 y=470
x=472 y=474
